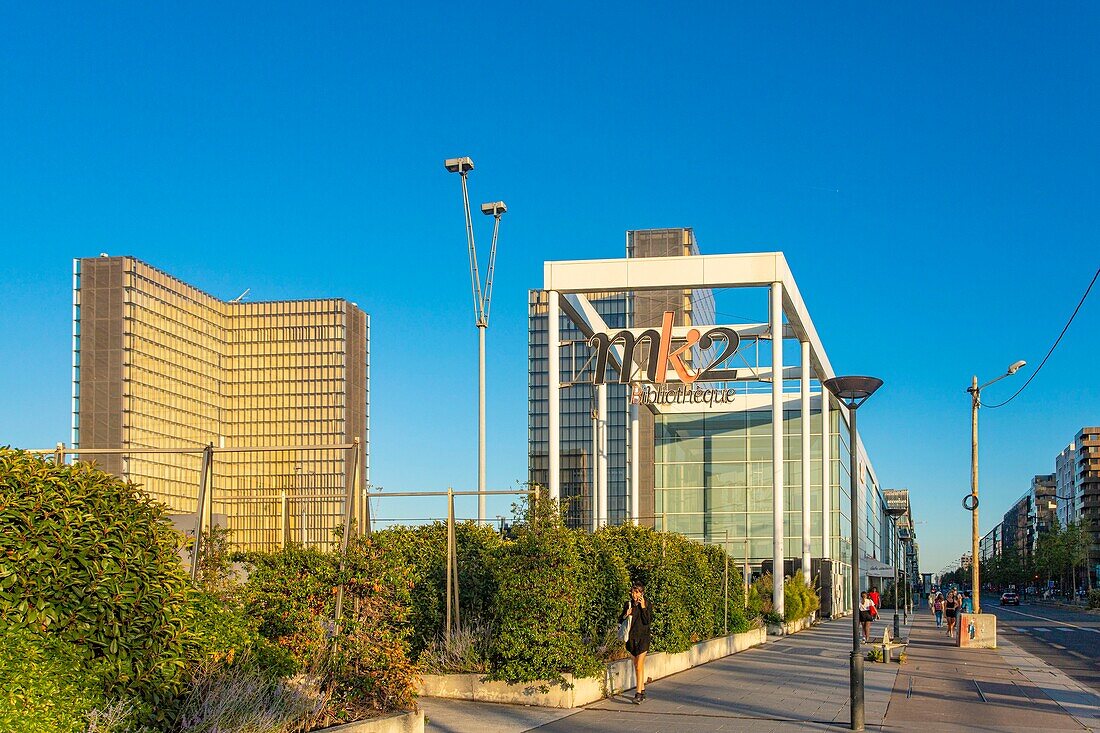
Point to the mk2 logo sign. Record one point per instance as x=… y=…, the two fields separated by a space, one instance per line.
x=666 y=354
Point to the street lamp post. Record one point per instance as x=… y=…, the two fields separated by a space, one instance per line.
x=895 y=513
x=482 y=302
x=971 y=502
x=853 y=392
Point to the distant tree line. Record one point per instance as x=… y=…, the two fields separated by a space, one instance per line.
x=1061 y=555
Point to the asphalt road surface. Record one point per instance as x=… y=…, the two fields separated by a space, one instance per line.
x=1063 y=638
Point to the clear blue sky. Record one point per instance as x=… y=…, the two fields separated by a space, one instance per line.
x=932 y=176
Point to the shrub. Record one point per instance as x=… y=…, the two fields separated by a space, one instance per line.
x=468 y=651
x=800 y=600
x=91 y=561
x=604 y=586
x=684 y=581
x=538 y=603
x=239 y=700
x=46 y=686
x=365 y=667
x=760 y=596
x=1094 y=599
x=422 y=551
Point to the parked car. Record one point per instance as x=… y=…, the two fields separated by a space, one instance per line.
x=1010 y=599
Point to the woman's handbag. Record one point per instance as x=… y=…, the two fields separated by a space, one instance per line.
x=624 y=628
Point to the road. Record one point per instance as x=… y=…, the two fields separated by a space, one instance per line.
x=1063 y=638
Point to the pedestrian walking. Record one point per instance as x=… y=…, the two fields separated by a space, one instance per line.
x=932 y=603
x=938 y=606
x=967 y=603
x=951 y=610
x=875 y=597
x=637 y=615
x=868 y=612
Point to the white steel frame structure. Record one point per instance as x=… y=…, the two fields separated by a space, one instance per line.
x=568 y=281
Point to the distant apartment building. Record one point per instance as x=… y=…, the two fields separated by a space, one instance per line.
x=990 y=544
x=160 y=364
x=1065 y=483
x=1044 y=503
x=1087 y=480
x=1016 y=527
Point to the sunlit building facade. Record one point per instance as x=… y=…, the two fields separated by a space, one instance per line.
x=705 y=471
x=160 y=364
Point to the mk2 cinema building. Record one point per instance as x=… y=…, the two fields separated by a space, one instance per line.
x=642 y=408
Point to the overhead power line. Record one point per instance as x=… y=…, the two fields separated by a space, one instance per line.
x=1053 y=347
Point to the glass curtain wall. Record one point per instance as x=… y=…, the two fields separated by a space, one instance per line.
x=578 y=403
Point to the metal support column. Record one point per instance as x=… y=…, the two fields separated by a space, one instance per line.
x=601 y=456
x=804 y=393
x=635 y=464
x=594 y=485
x=775 y=320
x=202 y=508
x=481 y=329
x=553 y=349
x=826 y=478
x=855 y=671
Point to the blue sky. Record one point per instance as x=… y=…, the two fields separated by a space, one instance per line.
x=932 y=176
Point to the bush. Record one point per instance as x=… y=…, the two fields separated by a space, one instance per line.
x=1094 y=599
x=365 y=667
x=239 y=700
x=92 y=562
x=800 y=600
x=538 y=604
x=422 y=552
x=760 y=597
x=46 y=685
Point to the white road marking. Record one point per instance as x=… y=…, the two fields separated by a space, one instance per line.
x=1051 y=620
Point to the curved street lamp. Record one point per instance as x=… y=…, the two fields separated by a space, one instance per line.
x=853 y=392
x=971 y=501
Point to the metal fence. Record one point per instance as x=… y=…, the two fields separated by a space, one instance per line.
x=264 y=496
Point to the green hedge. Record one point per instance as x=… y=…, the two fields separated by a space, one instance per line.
x=422 y=552
x=550 y=598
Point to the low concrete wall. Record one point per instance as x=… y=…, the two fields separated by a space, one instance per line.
x=618 y=676
x=397 y=723
x=790 y=627
x=576 y=691
x=984 y=628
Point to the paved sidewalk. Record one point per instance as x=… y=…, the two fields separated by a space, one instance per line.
x=793 y=683
x=800 y=683
x=1003 y=689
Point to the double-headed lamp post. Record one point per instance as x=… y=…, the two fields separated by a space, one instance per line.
x=482 y=301
x=853 y=392
x=971 y=501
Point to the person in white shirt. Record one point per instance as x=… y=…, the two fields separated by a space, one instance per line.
x=868 y=612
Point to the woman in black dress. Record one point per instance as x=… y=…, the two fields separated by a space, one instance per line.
x=640 y=612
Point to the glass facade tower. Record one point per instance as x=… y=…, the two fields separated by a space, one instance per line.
x=159 y=364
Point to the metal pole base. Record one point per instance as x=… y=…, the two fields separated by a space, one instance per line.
x=855 y=689
x=897 y=626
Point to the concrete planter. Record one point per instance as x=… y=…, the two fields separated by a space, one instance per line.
x=618 y=676
x=791 y=627
x=396 y=723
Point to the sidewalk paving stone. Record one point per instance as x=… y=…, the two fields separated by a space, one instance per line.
x=800 y=683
